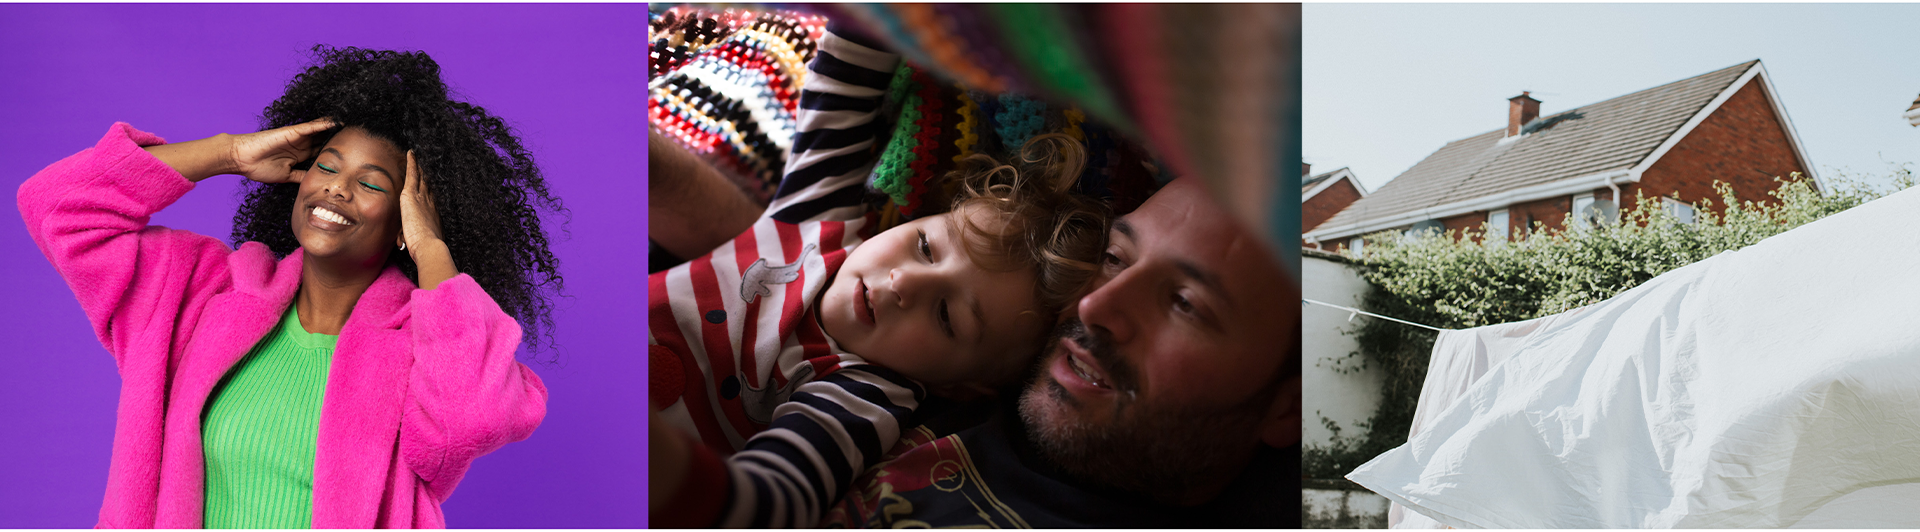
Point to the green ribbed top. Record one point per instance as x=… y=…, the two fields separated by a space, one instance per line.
x=261 y=427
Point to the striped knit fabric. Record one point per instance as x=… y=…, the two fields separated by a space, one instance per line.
x=831 y=430
x=726 y=84
x=260 y=430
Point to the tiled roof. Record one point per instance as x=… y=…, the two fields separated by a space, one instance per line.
x=1610 y=135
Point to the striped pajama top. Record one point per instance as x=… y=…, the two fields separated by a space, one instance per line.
x=732 y=332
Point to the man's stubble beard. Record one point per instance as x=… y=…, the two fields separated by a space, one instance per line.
x=1179 y=456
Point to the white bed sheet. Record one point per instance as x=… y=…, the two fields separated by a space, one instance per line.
x=1751 y=389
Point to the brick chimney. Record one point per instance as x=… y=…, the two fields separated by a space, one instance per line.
x=1520 y=110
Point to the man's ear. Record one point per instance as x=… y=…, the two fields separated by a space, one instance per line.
x=1281 y=426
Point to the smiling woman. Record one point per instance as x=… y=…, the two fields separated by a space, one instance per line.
x=345 y=365
x=396 y=105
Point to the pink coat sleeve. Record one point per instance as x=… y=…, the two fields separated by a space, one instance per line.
x=88 y=214
x=467 y=396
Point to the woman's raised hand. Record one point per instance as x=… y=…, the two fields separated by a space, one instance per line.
x=419 y=222
x=268 y=156
x=420 y=229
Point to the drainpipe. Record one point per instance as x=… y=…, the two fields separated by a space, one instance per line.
x=1608 y=180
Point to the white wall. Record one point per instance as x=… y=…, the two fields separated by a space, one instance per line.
x=1347 y=399
x=1342 y=508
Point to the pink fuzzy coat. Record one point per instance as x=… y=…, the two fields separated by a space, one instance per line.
x=422 y=382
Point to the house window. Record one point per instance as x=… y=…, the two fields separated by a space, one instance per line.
x=1497 y=227
x=1580 y=203
x=1355 y=246
x=1592 y=212
x=1426 y=228
x=1681 y=211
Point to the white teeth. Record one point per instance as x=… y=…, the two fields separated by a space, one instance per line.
x=1084 y=371
x=869 y=298
x=324 y=214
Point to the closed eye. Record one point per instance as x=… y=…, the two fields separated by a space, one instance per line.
x=946 y=322
x=926 y=246
x=372 y=186
x=326 y=168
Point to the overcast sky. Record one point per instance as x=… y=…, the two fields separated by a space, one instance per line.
x=1386 y=85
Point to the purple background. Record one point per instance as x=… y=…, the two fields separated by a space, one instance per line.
x=570 y=78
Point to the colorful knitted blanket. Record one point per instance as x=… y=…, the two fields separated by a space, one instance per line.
x=725 y=84
x=1213 y=89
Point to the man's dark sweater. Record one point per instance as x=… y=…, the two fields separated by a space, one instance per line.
x=989 y=474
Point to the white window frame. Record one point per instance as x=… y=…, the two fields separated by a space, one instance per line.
x=1356 y=245
x=1498 y=226
x=1681 y=211
x=1580 y=202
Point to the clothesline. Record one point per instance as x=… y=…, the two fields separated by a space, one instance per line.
x=1370 y=314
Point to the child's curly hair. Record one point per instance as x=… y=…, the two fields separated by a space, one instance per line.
x=1037 y=222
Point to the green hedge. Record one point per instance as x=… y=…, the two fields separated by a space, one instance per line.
x=1456 y=283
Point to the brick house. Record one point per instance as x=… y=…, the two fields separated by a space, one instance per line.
x=1324 y=195
x=1672 y=142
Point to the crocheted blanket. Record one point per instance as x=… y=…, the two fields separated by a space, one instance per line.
x=725 y=84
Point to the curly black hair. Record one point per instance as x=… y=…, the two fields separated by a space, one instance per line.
x=486 y=188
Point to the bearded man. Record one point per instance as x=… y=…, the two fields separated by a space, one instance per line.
x=1168 y=398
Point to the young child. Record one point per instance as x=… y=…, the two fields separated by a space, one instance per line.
x=805 y=348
